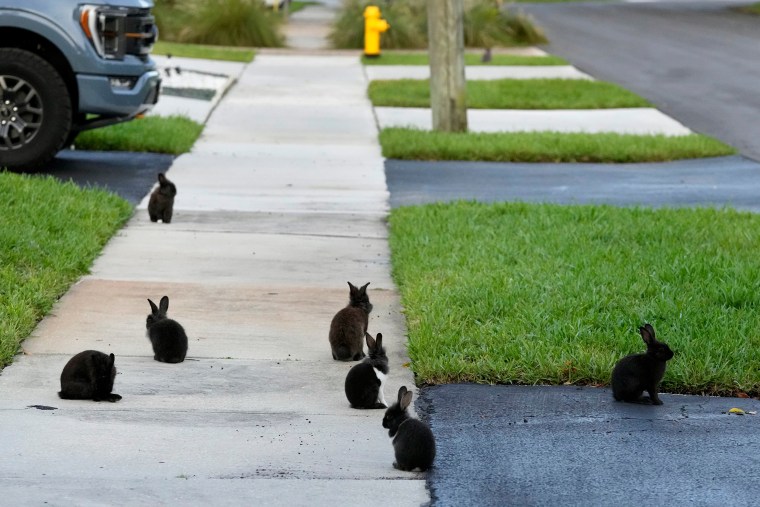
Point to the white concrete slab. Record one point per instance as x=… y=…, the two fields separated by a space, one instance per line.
x=622 y=121
x=76 y=442
x=376 y=72
x=349 y=225
x=163 y=255
x=285 y=201
x=205 y=385
x=274 y=184
x=296 y=123
x=306 y=154
x=221 y=321
x=306 y=166
x=257 y=488
x=324 y=80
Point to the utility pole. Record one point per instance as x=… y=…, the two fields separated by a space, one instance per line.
x=448 y=95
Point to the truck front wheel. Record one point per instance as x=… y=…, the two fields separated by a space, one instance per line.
x=35 y=110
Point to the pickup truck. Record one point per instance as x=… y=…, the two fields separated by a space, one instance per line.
x=68 y=66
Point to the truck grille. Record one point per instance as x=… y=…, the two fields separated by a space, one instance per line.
x=140 y=33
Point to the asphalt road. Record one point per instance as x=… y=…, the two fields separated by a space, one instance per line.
x=696 y=61
x=564 y=445
x=512 y=445
x=130 y=175
x=726 y=181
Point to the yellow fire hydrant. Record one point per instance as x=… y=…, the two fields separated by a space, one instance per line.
x=373 y=27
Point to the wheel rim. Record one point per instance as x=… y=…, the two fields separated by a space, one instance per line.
x=20 y=112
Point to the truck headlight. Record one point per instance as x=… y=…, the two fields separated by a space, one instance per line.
x=105 y=27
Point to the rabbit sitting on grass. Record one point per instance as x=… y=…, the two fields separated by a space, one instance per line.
x=89 y=375
x=413 y=442
x=637 y=373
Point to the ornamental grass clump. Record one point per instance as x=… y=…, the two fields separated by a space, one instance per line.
x=219 y=22
x=487 y=23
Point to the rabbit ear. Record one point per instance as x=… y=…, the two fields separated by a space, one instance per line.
x=363 y=289
x=406 y=400
x=111 y=360
x=401 y=392
x=153 y=307
x=161 y=179
x=164 y=304
x=379 y=340
x=649 y=328
x=646 y=334
x=370 y=341
x=352 y=288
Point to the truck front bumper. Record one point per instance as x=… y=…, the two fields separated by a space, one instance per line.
x=117 y=96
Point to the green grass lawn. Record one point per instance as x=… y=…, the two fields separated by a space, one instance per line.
x=511 y=94
x=750 y=9
x=412 y=144
x=392 y=58
x=173 y=135
x=50 y=233
x=547 y=294
x=227 y=53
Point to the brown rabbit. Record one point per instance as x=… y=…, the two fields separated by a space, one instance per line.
x=349 y=326
x=161 y=203
x=637 y=373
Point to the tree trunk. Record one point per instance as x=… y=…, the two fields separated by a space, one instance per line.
x=448 y=95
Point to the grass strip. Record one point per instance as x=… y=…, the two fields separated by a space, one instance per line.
x=511 y=94
x=208 y=52
x=297 y=5
x=547 y=294
x=156 y=134
x=392 y=58
x=50 y=233
x=413 y=144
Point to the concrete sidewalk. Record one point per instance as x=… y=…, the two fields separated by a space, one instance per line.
x=278 y=205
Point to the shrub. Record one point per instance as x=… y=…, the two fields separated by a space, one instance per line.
x=486 y=24
x=219 y=22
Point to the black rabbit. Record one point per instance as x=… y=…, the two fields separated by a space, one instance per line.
x=413 y=442
x=167 y=336
x=89 y=375
x=637 y=373
x=364 y=382
x=161 y=202
x=349 y=325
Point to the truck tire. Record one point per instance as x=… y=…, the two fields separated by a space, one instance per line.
x=35 y=110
